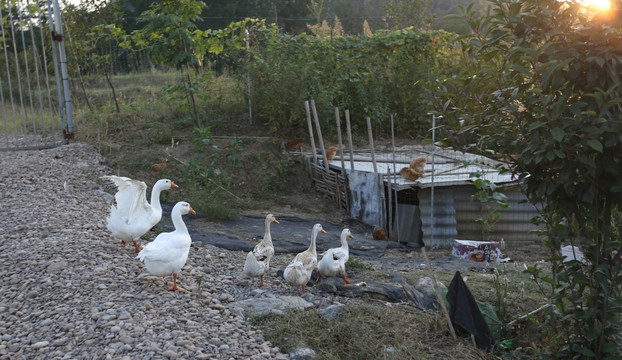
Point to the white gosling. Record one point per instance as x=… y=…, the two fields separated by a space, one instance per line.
x=258 y=261
x=334 y=260
x=133 y=216
x=299 y=270
x=168 y=252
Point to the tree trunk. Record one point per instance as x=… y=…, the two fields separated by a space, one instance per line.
x=191 y=97
x=114 y=94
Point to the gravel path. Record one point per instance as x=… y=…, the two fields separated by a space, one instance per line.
x=69 y=291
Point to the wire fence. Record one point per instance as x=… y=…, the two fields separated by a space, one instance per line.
x=34 y=86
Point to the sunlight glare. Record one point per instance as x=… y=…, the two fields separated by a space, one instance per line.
x=601 y=5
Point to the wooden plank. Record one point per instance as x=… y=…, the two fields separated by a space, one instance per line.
x=319 y=133
x=349 y=130
x=371 y=145
x=311 y=132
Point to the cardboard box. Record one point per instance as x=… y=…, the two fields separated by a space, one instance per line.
x=479 y=251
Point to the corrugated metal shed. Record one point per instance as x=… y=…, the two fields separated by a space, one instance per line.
x=449 y=166
x=454 y=212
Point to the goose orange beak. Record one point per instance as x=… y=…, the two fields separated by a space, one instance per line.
x=276 y=221
x=173 y=185
x=324 y=231
x=351 y=236
x=192 y=211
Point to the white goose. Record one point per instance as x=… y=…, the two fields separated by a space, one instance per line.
x=258 y=261
x=298 y=272
x=334 y=260
x=168 y=252
x=133 y=216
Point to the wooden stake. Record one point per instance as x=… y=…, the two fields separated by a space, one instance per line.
x=319 y=134
x=349 y=139
x=371 y=144
x=530 y=313
x=343 y=168
x=311 y=132
x=438 y=293
x=338 y=190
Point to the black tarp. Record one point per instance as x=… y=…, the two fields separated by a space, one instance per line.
x=466 y=315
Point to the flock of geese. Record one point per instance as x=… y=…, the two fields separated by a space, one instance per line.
x=132 y=216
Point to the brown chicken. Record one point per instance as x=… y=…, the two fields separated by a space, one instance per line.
x=379 y=233
x=331 y=152
x=418 y=165
x=294 y=145
x=409 y=174
x=158 y=168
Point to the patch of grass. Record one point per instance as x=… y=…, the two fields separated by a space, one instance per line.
x=354 y=264
x=367 y=331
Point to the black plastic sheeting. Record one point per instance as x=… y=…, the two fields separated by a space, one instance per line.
x=465 y=314
x=292 y=235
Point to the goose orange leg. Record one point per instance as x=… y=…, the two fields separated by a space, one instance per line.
x=175 y=287
x=261 y=283
x=136 y=246
x=345 y=281
x=318 y=277
x=303 y=289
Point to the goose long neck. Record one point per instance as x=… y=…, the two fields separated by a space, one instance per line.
x=178 y=222
x=155 y=198
x=344 y=241
x=266 y=235
x=313 y=237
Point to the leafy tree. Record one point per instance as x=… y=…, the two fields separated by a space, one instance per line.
x=539 y=83
x=171 y=35
x=103 y=58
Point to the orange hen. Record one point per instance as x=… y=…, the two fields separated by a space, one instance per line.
x=379 y=233
x=294 y=145
x=409 y=174
x=157 y=168
x=331 y=152
x=418 y=165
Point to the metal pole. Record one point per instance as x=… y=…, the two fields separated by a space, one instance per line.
x=425 y=254
x=394 y=178
x=56 y=67
x=19 y=79
x=63 y=67
x=8 y=74
x=432 y=182
x=27 y=71
x=35 y=59
x=47 y=77
x=248 y=79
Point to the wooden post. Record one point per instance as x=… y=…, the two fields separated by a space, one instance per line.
x=349 y=139
x=319 y=134
x=343 y=167
x=371 y=144
x=440 y=300
x=338 y=190
x=311 y=132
